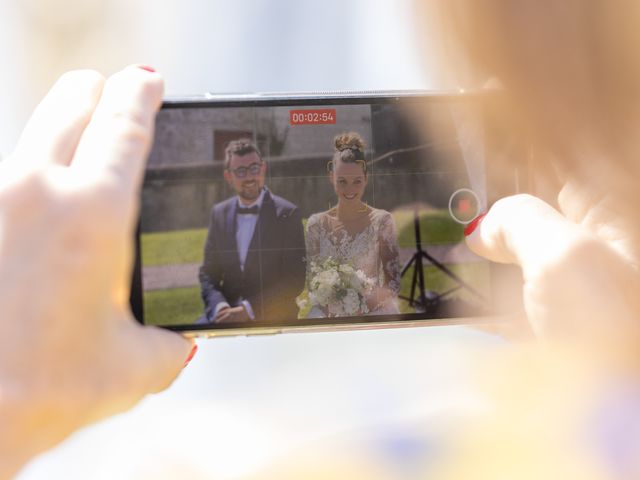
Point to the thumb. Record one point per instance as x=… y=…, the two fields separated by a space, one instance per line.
x=525 y=231
x=162 y=356
x=574 y=281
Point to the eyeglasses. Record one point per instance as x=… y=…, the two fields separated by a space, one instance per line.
x=241 y=172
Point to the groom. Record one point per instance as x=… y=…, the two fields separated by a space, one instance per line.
x=254 y=255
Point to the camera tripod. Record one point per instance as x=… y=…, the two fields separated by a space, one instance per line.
x=420 y=298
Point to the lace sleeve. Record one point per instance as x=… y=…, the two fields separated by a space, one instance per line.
x=389 y=253
x=312 y=241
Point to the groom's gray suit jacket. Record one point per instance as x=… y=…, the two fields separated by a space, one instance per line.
x=274 y=272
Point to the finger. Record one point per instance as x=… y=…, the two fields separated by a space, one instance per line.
x=597 y=213
x=575 y=284
x=163 y=356
x=526 y=231
x=115 y=144
x=575 y=201
x=53 y=131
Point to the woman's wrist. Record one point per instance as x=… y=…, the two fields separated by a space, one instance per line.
x=31 y=421
x=19 y=429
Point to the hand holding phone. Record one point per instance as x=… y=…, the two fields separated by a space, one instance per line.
x=71 y=352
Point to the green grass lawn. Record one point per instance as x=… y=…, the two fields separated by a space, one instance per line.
x=175 y=306
x=182 y=306
x=187 y=246
x=476 y=274
x=166 y=248
x=436 y=228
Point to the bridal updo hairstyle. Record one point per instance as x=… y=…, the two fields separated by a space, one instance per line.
x=349 y=148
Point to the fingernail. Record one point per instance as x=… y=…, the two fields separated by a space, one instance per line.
x=473 y=224
x=191 y=355
x=147 y=68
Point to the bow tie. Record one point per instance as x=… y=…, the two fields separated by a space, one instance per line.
x=248 y=211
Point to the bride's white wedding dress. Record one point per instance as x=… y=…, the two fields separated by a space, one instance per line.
x=374 y=250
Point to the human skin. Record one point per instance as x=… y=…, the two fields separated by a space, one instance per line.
x=249 y=187
x=568 y=74
x=579 y=283
x=72 y=353
x=349 y=182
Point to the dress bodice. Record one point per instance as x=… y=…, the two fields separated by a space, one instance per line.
x=374 y=249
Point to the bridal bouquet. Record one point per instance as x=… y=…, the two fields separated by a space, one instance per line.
x=339 y=288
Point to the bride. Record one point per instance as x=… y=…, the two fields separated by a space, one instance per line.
x=353 y=239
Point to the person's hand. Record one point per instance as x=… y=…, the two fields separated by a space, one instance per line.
x=378 y=297
x=232 y=315
x=581 y=279
x=71 y=350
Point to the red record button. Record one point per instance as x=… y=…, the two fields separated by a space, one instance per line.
x=464 y=205
x=323 y=116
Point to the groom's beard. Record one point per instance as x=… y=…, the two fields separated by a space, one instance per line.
x=250 y=190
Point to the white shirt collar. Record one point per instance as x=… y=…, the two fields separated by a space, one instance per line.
x=258 y=201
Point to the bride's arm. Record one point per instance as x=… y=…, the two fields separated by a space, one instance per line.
x=312 y=242
x=312 y=245
x=389 y=258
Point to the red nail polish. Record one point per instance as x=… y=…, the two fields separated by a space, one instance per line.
x=473 y=224
x=191 y=355
x=147 y=68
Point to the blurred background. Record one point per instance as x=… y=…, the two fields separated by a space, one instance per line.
x=207 y=45
x=244 y=403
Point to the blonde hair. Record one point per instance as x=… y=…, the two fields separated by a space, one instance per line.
x=570 y=73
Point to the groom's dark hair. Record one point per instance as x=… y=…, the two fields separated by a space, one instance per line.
x=240 y=147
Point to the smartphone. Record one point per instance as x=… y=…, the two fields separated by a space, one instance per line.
x=270 y=213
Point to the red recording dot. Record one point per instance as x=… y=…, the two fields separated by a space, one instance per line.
x=464 y=205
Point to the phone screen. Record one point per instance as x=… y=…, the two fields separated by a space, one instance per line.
x=307 y=212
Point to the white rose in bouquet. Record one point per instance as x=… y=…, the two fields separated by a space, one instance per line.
x=339 y=288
